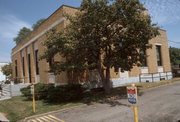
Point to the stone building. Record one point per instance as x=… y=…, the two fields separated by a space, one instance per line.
x=29 y=69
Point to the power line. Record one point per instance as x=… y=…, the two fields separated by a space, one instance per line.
x=174 y=42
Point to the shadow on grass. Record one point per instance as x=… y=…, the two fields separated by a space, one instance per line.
x=98 y=95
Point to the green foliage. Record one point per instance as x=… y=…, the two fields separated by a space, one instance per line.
x=26 y=92
x=7 y=70
x=7 y=82
x=17 y=81
x=22 y=34
x=50 y=93
x=102 y=35
x=65 y=93
x=34 y=26
x=174 y=55
x=41 y=91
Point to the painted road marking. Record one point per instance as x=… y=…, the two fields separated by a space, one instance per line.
x=56 y=118
x=42 y=118
x=33 y=121
x=47 y=118
x=39 y=120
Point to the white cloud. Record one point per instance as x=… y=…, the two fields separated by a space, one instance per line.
x=9 y=27
x=163 y=12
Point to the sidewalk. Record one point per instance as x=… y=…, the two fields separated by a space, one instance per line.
x=3 y=118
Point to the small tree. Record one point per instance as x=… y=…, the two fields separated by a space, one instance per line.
x=174 y=55
x=7 y=71
x=103 y=35
x=23 y=33
x=34 y=26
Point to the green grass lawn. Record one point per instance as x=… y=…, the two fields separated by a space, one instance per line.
x=18 y=108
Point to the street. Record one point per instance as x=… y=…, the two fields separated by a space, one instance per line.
x=159 y=104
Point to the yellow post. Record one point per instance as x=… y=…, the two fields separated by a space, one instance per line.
x=33 y=98
x=135 y=108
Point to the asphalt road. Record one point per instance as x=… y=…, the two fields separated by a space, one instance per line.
x=160 y=104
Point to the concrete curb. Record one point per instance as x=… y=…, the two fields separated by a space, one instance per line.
x=151 y=88
x=52 y=112
x=3 y=118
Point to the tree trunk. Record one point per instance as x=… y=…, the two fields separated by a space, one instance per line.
x=107 y=85
x=104 y=78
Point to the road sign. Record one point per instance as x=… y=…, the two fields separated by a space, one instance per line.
x=132 y=95
x=32 y=89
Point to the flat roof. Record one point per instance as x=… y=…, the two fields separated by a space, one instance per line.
x=45 y=21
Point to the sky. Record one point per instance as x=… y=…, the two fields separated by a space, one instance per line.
x=15 y=14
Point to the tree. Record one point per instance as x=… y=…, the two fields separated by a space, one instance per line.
x=22 y=34
x=34 y=26
x=7 y=70
x=103 y=35
x=174 y=55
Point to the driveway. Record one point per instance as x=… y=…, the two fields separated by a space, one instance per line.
x=161 y=104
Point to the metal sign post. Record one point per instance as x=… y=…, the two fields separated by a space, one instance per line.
x=132 y=98
x=33 y=98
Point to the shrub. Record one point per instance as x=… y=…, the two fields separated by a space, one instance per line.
x=26 y=92
x=17 y=81
x=41 y=91
x=7 y=82
x=66 y=93
x=50 y=93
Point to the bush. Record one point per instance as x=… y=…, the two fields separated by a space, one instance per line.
x=41 y=91
x=50 y=93
x=66 y=93
x=7 y=82
x=17 y=81
x=26 y=92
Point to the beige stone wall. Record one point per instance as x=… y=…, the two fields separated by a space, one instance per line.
x=19 y=68
x=152 y=58
x=43 y=65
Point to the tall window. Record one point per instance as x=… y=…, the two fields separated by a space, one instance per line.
x=16 y=70
x=23 y=66
x=158 y=54
x=144 y=60
x=37 y=62
x=29 y=67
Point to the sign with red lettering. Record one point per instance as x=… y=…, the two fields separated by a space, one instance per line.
x=132 y=94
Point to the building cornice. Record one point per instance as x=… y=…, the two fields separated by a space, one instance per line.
x=39 y=35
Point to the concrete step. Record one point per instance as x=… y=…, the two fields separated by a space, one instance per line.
x=3 y=118
x=5 y=92
x=4 y=98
